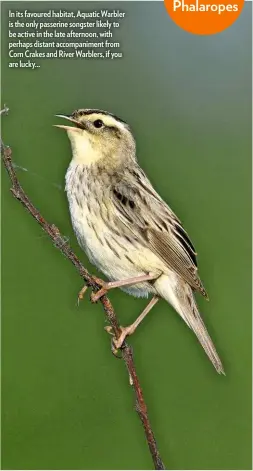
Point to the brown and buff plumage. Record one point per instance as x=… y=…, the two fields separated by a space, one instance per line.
x=124 y=226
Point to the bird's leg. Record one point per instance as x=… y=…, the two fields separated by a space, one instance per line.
x=117 y=284
x=125 y=331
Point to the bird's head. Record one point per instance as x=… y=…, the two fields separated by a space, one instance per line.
x=97 y=135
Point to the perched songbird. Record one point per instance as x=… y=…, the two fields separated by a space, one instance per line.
x=125 y=227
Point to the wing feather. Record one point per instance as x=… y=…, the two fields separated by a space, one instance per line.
x=146 y=215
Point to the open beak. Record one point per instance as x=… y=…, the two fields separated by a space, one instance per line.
x=68 y=128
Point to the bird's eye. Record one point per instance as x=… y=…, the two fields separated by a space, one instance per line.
x=98 y=123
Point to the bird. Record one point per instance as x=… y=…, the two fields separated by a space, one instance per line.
x=123 y=225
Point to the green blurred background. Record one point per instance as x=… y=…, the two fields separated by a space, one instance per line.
x=66 y=401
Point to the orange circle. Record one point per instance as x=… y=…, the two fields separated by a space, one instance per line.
x=203 y=16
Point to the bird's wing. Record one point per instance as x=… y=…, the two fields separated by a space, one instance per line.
x=148 y=217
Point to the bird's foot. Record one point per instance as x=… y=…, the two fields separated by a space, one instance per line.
x=96 y=296
x=125 y=332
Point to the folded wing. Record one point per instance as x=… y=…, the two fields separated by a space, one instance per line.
x=149 y=218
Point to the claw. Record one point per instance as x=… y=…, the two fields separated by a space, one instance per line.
x=114 y=350
x=108 y=329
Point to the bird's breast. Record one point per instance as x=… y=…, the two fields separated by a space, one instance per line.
x=107 y=246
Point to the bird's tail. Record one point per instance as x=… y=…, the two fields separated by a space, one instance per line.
x=193 y=319
x=183 y=301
